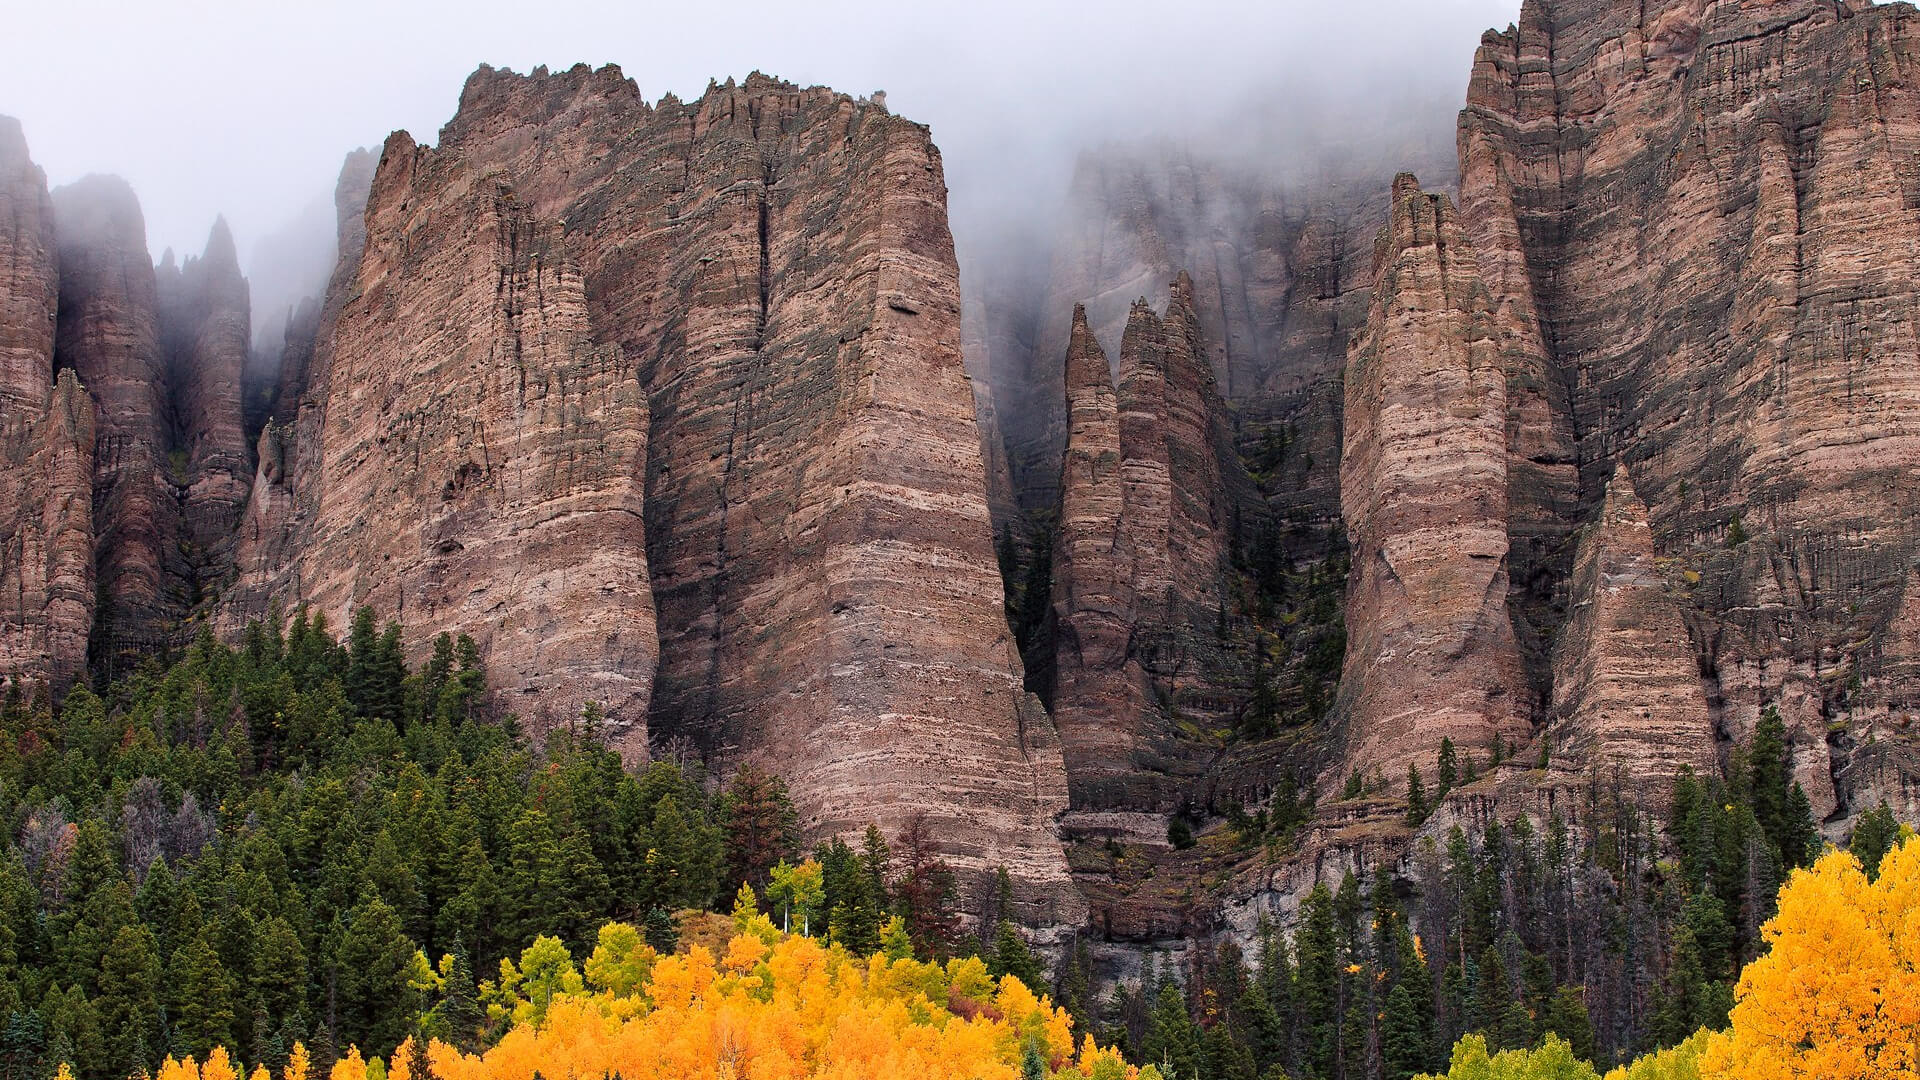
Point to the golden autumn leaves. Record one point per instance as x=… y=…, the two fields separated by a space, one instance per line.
x=772 y=1007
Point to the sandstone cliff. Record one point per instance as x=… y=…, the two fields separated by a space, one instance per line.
x=1627 y=692
x=693 y=366
x=1712 y=209
x=109 y=334
x=1431 y=652
x=206 y=325
x=46 y=445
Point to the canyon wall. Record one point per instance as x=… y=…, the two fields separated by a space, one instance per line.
x=1431 y=652
x=664 y=405
x=1148 y=658
x=46 y=445
x=1713 y=209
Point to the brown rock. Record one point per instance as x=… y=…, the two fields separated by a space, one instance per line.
x=1713 y=207
x=1431 y=653
x=46 y=445
x=749 y=304
x=109 y=334
x=1627 y=692
x=205 y=325
x=1151 y=494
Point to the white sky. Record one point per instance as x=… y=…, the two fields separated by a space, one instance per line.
x=245 y=107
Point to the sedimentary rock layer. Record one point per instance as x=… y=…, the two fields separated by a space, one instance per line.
x=1713 y=208
x=46 y=445
x=206 y=325
x=1152 y=493
x=1627 y=692
x=1431 y=653
x=746 y=308
x=109 y=334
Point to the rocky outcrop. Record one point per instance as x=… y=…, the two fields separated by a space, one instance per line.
x=46 y=445
x=1431 y=653
x=205 y=322
x=1152 y=495
x=1714 y=207
x=109 y=334
x=1627 y=692
x=693 y=366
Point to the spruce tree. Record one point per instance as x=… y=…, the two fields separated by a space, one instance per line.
x=1874 y=834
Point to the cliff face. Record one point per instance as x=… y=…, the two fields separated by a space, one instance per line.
x=1627 y=692
x=1713 y=210
x=1152 y=493
x=46 y=445
x=692 y=377
x=1281 y=270
x=1431 y=652
x=109 y=334
x=206 y=324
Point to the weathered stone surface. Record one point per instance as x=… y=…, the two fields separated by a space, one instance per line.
x=1431 y=653
x=749 y=304
x=109 y=334
x=1714 y=205
x=1627 y=692
x=1152 y=493
x=46 y=445
x=205 y=328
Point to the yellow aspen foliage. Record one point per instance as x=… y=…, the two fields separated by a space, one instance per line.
x=219 y=1066
x=401 y=1063
x=1678 y=1063
x=259 y=1073
x=351 y=1067
x=793 y=1008
x=1837 y=995
x=171 y=1069
x=299 y=1063
x=64 y=1072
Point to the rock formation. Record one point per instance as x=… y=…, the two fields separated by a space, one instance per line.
x=1431 y=653
x=46 y=445
x=1627 y=692
x=1152 y=493
x=1712 y=207
x=605 y=367
x=109 y=334
x=205 y=321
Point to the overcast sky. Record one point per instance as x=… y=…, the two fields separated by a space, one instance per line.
x=245 y=107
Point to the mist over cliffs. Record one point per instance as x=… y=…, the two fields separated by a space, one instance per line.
x=1240 y=482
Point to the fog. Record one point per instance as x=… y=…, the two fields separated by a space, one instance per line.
x=246 y=108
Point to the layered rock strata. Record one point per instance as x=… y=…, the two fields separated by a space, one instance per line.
x=1431 y=652
x=46 y=445
x=1627 y=692
x=206 y=322
x=1152 y=494
x=1714 y=206
x=694 y=366
x=109 y=334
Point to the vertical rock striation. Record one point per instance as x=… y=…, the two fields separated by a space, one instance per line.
x=46 y=445
x=1713 y=209
x=109 y=334
x=1627 y=693
x=693 y=366
x=205 y=322
x=1431 y=652
x=1152 y=493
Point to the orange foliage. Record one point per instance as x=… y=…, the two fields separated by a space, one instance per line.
x=787 y=1010
x=1837 y=997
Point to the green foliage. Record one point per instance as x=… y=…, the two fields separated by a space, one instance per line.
x=256 y=845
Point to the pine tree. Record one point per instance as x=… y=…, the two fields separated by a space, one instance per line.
x=1403 y=1043
x=129 y=1001
x=760 y=826
x=1416 y=797
x=1874 y=834
x=1011 y=956
x=371 y=968
x=1317 y=984
x=202 y=1005
x=1448 y=769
